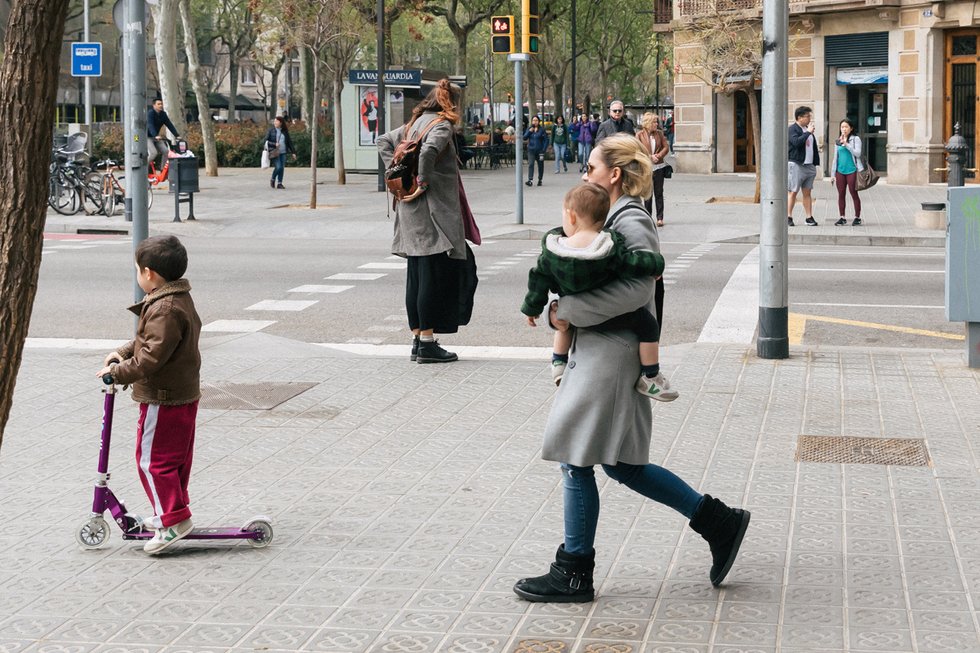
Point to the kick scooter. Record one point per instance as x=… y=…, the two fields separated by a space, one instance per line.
x=94 y=531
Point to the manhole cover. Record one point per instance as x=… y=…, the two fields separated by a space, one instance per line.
x=249 y=396
x=861 y=451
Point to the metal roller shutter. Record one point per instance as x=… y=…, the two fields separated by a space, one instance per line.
x=869 y=49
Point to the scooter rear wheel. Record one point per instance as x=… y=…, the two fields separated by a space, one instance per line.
x=92 y=533
x=264 y=527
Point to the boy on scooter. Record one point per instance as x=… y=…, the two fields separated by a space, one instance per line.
x=163 y=363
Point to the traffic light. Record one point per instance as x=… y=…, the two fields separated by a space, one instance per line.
x=502 y=34
x=530 y=28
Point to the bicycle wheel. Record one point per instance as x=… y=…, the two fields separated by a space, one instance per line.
x=62 y=195
x=121 y=181
x=108 y=195
x=91 y=192
x=149 y=195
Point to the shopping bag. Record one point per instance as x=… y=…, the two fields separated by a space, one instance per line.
x=265 y=158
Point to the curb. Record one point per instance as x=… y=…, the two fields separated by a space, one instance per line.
x=854 y=241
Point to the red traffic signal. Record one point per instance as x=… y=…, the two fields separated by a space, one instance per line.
x=501 y=24
x=502 y=34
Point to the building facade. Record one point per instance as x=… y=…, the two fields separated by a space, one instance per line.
x=905 y=71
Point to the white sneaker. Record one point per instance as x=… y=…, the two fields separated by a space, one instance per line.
x=166 y=536
x=557 y=371
x=656 y=388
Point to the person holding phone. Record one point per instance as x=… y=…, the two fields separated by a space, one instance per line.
x=843 y=170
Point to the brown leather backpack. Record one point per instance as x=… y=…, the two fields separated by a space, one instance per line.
x=401 y=174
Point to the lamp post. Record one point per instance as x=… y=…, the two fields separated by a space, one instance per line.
x=381 y=87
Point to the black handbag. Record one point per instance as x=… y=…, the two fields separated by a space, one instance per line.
x=668 y=171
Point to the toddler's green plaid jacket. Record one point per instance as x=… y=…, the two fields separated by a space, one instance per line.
x=567 y=270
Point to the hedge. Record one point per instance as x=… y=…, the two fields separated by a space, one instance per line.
x=239 y=145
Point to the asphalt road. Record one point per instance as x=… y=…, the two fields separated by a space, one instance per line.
x=839 y=295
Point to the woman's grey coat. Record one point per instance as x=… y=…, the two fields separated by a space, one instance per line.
x=597 y=417
x=433 y=222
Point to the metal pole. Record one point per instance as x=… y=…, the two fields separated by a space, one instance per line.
x=136 y=185
x=88 y=80
x=518 y=60
x=573 y=59
x=381 y=88
x=773 y=339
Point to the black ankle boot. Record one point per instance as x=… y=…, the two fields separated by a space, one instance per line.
x=415 y=348
x=568 y=581
x=723 y=528
x=431 y=352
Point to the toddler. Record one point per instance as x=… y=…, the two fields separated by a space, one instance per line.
x=581 y=255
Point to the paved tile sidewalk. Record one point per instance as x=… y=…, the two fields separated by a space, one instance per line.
x=407 y=499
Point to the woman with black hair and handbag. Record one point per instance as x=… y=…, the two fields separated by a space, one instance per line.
x=844 y=171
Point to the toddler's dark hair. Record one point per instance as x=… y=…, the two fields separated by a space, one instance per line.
x=165 y=255
x=589 y=202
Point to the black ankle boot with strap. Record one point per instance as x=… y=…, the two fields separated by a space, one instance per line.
x=568 y=581
x=723 y=528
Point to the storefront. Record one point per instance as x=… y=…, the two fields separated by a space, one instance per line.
x=360 y=112
x=857 y=88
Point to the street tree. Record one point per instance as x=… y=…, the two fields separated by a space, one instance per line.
x=462 y=17
x=165 y=16
x=236 y=29
x=727 y=56
x=618 y=50
x=199 y=85
x=313 y=26
x=339 y=55
x=28 y=87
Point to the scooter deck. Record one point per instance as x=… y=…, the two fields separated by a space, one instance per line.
x=218 y=533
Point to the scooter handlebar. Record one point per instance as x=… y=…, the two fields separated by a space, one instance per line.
x=107 y=379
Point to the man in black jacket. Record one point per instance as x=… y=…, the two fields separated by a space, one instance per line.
x=156 y=120
x=803 y=161
x=617 y=122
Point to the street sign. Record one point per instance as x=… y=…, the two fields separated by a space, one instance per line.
x=394 y=78
x=86 y=60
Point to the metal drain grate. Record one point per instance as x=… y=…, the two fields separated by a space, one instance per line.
x=862 y=451
x=249 y=396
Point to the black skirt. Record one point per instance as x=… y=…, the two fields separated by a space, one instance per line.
x=439 y=292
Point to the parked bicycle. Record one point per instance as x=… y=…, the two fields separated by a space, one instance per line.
x=113 y=187
x=72 y=186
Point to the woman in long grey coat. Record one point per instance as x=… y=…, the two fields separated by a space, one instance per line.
x=429 y=228
x=597 y=418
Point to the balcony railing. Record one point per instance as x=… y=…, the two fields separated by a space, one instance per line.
x=663 y=12
x=695 y=8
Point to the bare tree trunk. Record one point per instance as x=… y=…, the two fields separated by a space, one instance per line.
x=338 y=132
x=200 y=90
x=756 y=141
x=312 y=126
x=165 y=39
x=28 y=88
x=232 y=89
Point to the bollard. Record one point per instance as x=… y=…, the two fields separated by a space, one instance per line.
x=956 y=149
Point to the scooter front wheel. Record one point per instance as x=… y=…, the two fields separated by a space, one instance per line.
x=264 y=527
x=92 y=533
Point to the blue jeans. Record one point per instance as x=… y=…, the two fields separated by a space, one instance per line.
x=581 y=497
x=279 y=167
x=584 y=150
x=560 y=149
